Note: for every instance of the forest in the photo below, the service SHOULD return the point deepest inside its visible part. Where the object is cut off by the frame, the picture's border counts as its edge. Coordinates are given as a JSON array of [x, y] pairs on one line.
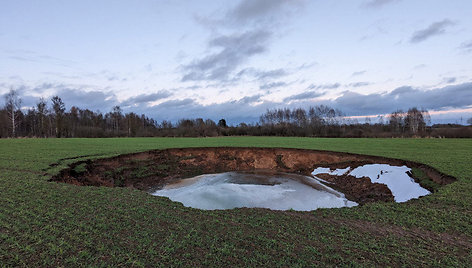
[[54, 120]]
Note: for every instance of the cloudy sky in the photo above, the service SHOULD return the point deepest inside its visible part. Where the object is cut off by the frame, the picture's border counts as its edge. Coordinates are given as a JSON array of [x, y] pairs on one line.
[[230, 59]]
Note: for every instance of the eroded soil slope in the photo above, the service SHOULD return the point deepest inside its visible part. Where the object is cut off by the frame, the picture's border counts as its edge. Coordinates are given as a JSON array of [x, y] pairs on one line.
[[151, 170]]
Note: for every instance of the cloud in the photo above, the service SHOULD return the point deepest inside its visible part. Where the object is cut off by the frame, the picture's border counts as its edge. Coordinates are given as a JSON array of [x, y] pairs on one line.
[[378, 3], [177, 104], [235, 49], [106, 75], [304, 96], [146, 98], [419, 66], [449, 80], [33, 57], [22, 58], [359, 73], [248, 99], [82, 96], [249, 108], [261, 10], [325, 86], [436, 28], [263, 74], [93, 100], [272, 85], [270, 74], [454, 96], [358, 84], [249, 28], [466, 47]]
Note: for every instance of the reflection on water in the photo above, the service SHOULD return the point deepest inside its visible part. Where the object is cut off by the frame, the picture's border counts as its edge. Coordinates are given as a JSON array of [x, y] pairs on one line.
[[278, 191]]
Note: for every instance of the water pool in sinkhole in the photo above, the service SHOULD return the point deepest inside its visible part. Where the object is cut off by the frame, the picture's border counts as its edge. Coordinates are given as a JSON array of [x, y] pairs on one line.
[[284, 191], [244, 189]]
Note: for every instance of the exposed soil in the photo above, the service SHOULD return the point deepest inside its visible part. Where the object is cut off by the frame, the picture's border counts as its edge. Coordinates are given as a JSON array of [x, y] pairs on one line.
[[151, 170], [361, 190]]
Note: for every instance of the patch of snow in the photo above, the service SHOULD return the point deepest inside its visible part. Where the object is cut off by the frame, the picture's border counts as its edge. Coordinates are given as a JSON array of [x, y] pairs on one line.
[[321, 170], [235, 190], [403, 187], [337, 172]]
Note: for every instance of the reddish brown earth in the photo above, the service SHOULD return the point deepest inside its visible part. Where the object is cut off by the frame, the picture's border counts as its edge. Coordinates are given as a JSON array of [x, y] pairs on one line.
[[153, 169]]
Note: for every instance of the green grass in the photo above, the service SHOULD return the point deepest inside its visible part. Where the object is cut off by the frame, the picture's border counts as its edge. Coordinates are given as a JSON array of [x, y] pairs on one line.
[[424, 180], [80, 168], [54, 224]]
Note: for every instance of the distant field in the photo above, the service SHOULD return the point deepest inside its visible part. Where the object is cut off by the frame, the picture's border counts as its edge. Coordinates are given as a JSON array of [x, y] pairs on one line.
[[54, 224]]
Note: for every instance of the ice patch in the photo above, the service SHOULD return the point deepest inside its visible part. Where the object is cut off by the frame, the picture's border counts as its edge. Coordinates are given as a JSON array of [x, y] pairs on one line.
[[235, 190], [337, 172], [402, 186]]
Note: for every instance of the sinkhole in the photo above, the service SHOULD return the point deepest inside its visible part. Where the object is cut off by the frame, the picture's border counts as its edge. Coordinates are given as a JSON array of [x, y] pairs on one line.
[[274, 178]]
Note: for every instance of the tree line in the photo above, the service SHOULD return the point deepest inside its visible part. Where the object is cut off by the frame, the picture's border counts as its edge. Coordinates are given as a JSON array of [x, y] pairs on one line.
[[53, 120]]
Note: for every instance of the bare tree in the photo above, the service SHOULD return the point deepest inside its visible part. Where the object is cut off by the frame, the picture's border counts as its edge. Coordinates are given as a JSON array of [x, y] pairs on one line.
[[59, 108], [73, 120], [299, 117], [222, 123], [426, 117], [381, 119], [469, 121], [13, 105], [168, 124], [396, 121], [116, 117], [415, 121], [41, 107]]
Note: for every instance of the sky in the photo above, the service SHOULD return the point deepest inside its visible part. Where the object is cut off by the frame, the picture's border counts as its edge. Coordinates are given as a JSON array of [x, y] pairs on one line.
[[172, 59]]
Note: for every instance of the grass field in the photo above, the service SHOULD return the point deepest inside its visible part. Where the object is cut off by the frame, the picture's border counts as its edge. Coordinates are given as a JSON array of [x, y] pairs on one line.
[[53, 224]]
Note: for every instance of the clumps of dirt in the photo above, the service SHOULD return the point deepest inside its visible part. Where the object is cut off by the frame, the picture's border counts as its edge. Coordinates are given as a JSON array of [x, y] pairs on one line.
[[150, 171], [361, 190]]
